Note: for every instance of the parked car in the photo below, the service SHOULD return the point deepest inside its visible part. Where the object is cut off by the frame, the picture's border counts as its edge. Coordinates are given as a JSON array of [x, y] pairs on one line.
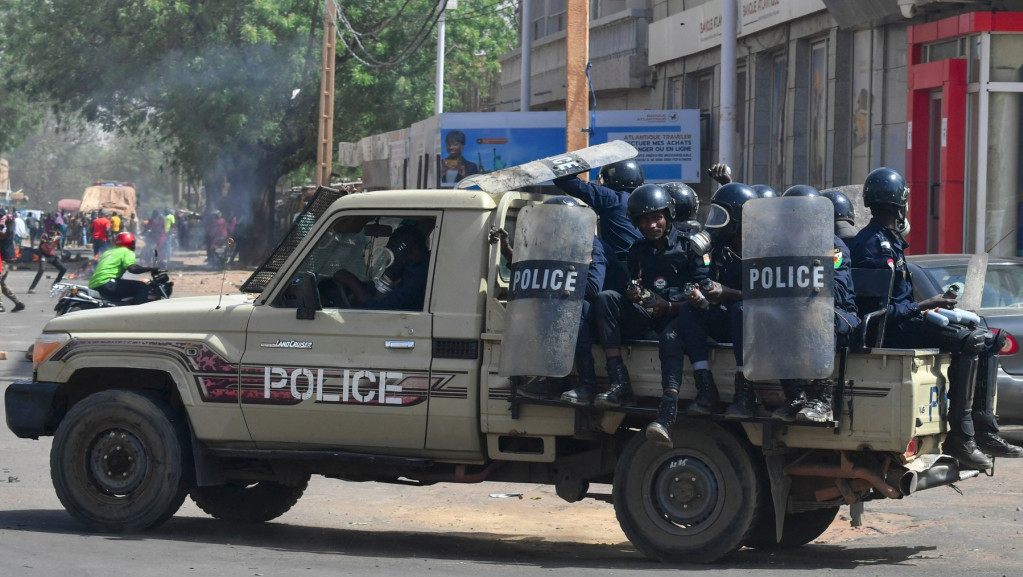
[[1001, 304]]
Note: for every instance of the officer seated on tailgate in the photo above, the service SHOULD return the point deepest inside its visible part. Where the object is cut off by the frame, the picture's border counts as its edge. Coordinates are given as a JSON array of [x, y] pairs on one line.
[[402, 286], [659, 264], [973, 430]]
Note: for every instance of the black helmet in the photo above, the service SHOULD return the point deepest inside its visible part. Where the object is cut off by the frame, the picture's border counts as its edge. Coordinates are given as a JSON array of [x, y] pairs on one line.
[[886, 187], [623, 176], [562, 199], [844, 211], [650, 198], [764, 191], [801, 190], [687, 204], [726, 206]]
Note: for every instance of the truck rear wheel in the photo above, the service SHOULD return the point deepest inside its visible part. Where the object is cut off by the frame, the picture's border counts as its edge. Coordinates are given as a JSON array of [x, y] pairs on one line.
[[248, 503], [120, 461], [800, 528], [696, 502]]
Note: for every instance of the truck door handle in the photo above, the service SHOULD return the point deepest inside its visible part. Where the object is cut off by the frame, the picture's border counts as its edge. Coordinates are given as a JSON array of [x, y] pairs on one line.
[[400, 344]]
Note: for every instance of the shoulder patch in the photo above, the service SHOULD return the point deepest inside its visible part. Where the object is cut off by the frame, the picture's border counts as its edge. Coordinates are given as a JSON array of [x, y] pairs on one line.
[[838, 258], [706, 260]]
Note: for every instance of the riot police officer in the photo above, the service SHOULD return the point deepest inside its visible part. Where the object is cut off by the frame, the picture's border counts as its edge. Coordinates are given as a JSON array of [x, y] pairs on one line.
[[688, 333], [812, 401], [973, 430], [609, 198], [550, 388], [845, 215], [660, 264], [687, 206]]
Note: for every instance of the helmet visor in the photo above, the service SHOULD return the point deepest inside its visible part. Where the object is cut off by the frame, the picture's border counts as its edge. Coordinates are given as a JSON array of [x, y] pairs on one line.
[[717, 217]]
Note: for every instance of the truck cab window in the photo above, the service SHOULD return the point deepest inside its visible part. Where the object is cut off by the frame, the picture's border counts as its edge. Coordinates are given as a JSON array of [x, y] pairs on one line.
[[371, 262]]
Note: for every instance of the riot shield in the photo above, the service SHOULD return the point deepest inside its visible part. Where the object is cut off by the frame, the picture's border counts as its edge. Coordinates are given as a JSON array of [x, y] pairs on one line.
[[553, 245], [788, 299], [546, 169]]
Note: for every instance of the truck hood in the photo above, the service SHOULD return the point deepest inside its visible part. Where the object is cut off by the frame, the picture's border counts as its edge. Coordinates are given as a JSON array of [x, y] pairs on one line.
[[171, 316]]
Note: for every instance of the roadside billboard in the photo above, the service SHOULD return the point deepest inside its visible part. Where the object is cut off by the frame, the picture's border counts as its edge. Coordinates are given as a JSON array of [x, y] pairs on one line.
[[462, 144]]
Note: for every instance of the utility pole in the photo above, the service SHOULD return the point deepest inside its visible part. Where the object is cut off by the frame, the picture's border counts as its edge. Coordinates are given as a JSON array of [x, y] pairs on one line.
[[577, 55], [525, 85], [726, 122], [325, 140], [444, 6]]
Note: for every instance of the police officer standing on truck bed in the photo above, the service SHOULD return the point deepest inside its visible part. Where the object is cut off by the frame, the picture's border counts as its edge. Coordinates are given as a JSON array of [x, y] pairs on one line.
[[609, 199], [973, 429], [551, 388], [660, 264]]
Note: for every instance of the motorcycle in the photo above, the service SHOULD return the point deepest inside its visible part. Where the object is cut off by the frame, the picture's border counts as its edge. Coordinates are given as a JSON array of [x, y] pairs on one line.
[[72, 297], [220, 251]]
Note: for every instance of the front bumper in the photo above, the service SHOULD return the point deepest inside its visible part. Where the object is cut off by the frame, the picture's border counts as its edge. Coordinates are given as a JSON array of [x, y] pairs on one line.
[[29, 406]]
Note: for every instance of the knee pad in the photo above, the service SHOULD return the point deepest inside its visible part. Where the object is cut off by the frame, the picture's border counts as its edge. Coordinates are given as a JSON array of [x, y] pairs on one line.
[[972, 340]]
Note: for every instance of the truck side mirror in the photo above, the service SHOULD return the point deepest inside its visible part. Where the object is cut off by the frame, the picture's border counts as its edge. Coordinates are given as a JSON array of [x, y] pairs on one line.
[[308, 296]]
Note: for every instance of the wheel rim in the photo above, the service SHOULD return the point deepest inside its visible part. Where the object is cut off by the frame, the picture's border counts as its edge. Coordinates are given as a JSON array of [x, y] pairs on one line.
[[684, 493], [117, 462]]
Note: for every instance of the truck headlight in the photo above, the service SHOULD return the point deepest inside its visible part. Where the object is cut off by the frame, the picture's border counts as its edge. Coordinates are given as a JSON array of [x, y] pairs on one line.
[[45, 345]]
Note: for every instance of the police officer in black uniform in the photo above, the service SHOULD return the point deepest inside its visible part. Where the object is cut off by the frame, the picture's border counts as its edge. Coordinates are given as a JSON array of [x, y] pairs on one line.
[[720, 319], [845, 215], [812, 401], [660, 264], [973, 429], [550, 388], [609, 198]]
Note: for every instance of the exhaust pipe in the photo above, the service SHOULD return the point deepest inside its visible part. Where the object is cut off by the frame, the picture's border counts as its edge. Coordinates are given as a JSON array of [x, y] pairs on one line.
[[938, 475]]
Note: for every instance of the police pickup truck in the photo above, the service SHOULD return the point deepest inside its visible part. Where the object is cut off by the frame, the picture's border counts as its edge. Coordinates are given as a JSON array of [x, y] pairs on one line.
[[236, 400]]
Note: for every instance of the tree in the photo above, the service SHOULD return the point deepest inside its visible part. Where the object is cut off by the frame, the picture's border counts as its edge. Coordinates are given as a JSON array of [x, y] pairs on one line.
[[230, 89]]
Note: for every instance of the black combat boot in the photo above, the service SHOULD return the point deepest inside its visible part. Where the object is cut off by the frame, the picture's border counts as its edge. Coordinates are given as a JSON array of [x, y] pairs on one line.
[[659, 431], [744, 402], [985, 423], [584, 393], [620, 391], [706, 394], [817, 408], [544, 389], [959, 443], [795, 398]]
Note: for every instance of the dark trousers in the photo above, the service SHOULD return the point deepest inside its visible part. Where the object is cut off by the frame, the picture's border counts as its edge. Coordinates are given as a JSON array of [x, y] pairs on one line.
[[119, 288], [617, 318], [55, 261]]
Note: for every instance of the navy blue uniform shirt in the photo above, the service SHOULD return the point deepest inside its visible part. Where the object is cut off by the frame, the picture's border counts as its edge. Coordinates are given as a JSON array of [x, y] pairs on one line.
[[665, 269], [878, 247], [616, 229], [597, 270]]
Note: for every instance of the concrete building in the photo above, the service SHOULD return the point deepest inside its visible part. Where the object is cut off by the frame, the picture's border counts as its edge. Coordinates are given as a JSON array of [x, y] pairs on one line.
[[826, 91]]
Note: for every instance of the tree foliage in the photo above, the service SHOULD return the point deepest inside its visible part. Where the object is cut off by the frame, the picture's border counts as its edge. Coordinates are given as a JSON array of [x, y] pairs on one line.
[[230, 90]]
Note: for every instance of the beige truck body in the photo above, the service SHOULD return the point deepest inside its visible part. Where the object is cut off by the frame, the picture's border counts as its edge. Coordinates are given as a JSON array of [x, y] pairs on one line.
[[417, 396]]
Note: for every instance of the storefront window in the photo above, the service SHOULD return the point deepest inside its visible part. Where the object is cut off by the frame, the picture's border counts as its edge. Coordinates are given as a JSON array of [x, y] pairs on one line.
[[1002, 233]]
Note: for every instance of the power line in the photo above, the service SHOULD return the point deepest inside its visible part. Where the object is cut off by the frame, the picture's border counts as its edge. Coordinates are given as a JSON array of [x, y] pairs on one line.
[[345, 28]]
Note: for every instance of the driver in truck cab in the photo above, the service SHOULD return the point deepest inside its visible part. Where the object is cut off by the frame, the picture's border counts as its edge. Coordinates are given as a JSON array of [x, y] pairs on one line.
[[402, 286]]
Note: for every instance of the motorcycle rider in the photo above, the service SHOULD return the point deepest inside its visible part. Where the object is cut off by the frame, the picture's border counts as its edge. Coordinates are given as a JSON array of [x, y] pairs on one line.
[[112, 265]]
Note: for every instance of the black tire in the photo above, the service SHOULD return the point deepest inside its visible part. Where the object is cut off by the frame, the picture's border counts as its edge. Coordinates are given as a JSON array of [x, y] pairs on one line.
[[694, 503], [248, 503], [120, 461], [800, 528]]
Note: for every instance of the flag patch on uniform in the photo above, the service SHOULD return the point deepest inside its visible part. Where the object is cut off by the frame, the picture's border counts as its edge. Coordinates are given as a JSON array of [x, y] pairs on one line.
[[706, 260], [838, 258]]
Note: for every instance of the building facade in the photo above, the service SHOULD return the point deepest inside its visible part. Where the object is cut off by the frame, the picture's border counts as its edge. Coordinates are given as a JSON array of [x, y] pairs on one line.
[[827, 90]]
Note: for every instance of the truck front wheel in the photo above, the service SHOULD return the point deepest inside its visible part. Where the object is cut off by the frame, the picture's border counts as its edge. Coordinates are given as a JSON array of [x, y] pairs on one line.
[[120, 461], [696, 502], [248, 503]]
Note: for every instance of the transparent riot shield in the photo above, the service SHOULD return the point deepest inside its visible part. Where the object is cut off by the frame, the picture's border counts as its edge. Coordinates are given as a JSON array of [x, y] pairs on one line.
[[788, 296], [553, 245]]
